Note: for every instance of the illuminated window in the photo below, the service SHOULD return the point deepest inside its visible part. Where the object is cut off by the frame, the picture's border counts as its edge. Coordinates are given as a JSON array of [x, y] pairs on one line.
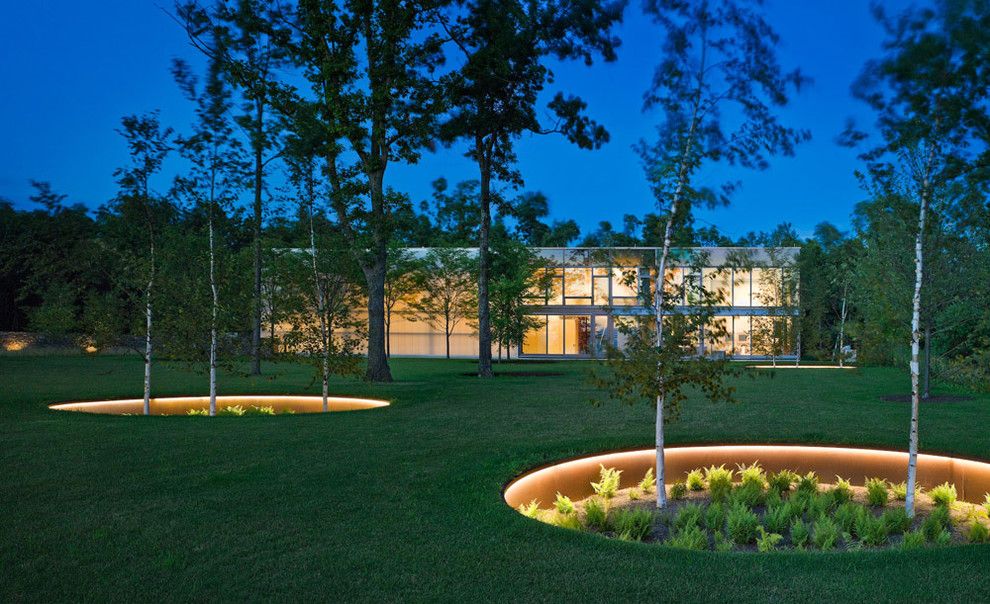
[[719, 283], [741, 281], [577, 335], [577, 286], [766, 286], [741, 342], [535, 340]]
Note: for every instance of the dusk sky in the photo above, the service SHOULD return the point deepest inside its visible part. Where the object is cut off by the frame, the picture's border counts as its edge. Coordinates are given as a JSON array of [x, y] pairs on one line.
[[70, 71]]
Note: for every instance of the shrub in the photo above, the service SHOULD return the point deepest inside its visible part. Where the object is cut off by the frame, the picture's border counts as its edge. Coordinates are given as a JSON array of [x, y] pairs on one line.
[[678, 490], [780, 482], [689, 515], [690, 538], [608, 482], [943, 538], [288, 411], [913, 539], [899, 491], [876, 492], [778, 518], [820, 504], [753, 474], [826, 533], [531, 509], [649, 482], [696, 480], [633, 494], [722, 544], [255, 410], [715, 516], [235, 410], [767, 542], [749, 494], [872, 530], [842, 491], [197, 412], [595, 513], [896, 520], [944, 494], [808, 483], [719, 482], [799, 534], [742, 524], [564, 504], [936, 522], [847, 515], [567, 521], [978, 532], [986, 503], [633, 524]]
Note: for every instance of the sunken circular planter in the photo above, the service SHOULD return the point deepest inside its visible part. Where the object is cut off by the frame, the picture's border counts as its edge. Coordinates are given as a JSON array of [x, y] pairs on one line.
[[573, 477], [183, 405]]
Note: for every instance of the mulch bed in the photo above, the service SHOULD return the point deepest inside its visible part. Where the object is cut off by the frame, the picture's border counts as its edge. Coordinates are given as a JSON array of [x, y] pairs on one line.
[[942, 398]]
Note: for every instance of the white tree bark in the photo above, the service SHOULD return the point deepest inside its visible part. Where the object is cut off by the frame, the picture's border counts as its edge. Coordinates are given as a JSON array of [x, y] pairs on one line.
[[916, 332], [213, 319], [842, 327], [147, 333], [320, 311]]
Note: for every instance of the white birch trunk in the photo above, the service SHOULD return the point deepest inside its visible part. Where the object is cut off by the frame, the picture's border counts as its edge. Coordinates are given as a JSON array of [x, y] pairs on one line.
[[842, 327], [213, 319], [916, 336], [320, 311], [147, 334]]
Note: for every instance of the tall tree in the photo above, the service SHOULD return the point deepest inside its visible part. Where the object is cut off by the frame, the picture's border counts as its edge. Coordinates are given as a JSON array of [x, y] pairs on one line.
[[928, 90], [370, 67], [148, 145], [447, 296], [716, 54], [215, 176], [494, 96]]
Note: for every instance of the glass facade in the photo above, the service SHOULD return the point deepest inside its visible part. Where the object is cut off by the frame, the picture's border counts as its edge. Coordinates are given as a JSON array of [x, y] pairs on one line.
[[594, 291]]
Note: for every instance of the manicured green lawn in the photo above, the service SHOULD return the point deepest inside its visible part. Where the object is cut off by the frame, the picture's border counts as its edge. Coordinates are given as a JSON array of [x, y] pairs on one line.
[[404, 503]]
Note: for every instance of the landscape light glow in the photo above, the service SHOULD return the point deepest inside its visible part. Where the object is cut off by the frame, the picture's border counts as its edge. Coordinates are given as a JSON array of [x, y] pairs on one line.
[[181, 405], [573, 477]]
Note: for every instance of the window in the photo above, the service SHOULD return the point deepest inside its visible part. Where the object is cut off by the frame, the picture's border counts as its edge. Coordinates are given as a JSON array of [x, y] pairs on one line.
[[718, 282], [624, 287], [741, 343], [535, 340], [741, 281], [766, 286], [577, 286], [577, 335]]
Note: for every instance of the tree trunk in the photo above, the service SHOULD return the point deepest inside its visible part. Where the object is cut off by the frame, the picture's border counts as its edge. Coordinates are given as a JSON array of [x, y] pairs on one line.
[[318, 294], [484, 322], [374, 273], [842, 327], [388, 333], [258, 184], [147, 334], [916, 340], [213, 321]]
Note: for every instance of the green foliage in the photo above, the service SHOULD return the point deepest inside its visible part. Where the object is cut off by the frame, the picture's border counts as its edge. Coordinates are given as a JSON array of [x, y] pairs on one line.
[[596, 513], [978, 532], [692, 538], [742, 524], [205, 412], [808, 484], [826, 533], [778, 518], [944, 494], [564, 504], [531, 509], [235, 410], [750, 494], [722, 544], [914, 539], [678, 490], [688, 515], [986, 503], [943, 538], [715, 516], [820, 504], [936, 522], [872, 530], [876, 492], [696, 480], [719, 481], [608, 482], [800, 534], [262, 410], [649, 481], [896, 520], [632, 524], [753, 475], [847, 515], [780, 482], [842, 491], [567, 521], [767, 542], [634, 494], [899, 491]]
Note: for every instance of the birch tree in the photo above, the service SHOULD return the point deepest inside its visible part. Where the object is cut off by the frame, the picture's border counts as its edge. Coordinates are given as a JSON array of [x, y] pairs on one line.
[[717, 56], [929, 96], [213, 180], [148, 145], [446, 291]]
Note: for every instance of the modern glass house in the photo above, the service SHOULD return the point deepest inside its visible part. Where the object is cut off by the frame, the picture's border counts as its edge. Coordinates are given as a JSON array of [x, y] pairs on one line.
[[594, 290]]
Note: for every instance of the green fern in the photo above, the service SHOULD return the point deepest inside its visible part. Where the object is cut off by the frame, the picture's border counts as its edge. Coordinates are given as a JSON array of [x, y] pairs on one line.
[[842, 491], [877, 493], [678, 490], [649, 482], [608, 482], [695, 480], [719, 482], [978, 532], [595, 514], [767, 542], [531, 509], [633, 524], [944, 494], [692, 538], [564, 504]]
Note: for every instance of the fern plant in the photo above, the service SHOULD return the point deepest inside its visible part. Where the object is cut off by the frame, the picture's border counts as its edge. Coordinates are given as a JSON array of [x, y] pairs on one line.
[[198, 412], [564, 504], [688, 515], [896, 520], [944, 494], [632, 524], [877, 493], [899, 491], [847, 515], [531, 509], [695, 480], [722, 544], [767, 542], [826, 533], [936, 522], [595, 514], [753, 474], [678, 490], [719, 481], [780, 482], [742, 524], [978, 532], [692, 538], [842, 491], [608, 482], [808, 484], [715, 516], [778, 518], [649, 482], [235, 410], [913, 539], [872, 530], [799, 534]]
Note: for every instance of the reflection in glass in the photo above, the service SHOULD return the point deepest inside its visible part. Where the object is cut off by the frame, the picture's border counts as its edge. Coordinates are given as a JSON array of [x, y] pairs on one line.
[[719, 282], [741, 281], [766, 286], [577, 335], [577, 284], [556, 287], [741, 343], [535, 340]]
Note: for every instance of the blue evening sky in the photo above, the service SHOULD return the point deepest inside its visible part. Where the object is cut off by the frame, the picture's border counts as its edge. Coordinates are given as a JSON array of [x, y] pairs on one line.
[[71, 69]]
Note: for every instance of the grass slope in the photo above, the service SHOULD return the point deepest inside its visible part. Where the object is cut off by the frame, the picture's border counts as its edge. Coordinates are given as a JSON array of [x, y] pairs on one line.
[[404, 503]]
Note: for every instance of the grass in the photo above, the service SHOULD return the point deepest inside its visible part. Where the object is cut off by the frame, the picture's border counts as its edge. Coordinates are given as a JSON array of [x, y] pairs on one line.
[[404, 503]]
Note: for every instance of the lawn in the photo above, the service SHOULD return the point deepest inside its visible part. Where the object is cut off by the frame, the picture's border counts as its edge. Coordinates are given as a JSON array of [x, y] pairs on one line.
[[403, 503]]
